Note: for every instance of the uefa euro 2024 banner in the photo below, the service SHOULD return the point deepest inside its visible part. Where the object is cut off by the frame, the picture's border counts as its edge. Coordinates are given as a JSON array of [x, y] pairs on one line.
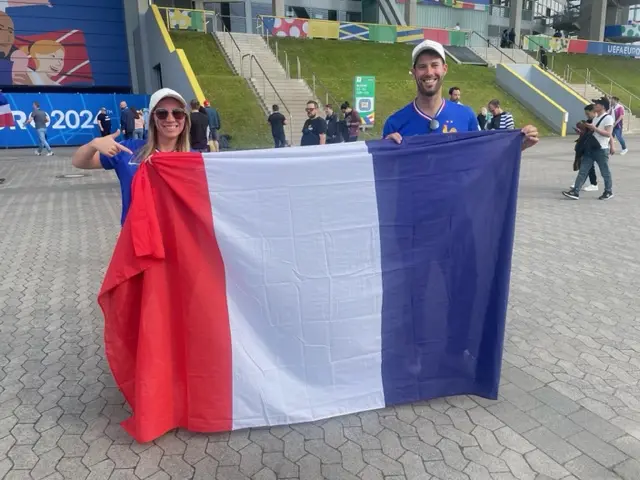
[[72, 117]]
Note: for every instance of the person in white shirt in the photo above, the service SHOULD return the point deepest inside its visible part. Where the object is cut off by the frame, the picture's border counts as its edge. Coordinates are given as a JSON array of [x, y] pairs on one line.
[[597, 150]]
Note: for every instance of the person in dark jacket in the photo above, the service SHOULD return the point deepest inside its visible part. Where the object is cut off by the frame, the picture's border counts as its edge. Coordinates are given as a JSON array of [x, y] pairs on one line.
[[333, 130], [214, 120], [127, 121]]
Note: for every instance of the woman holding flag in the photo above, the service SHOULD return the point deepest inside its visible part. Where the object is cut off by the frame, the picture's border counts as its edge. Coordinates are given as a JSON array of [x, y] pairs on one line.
[[169, 126]]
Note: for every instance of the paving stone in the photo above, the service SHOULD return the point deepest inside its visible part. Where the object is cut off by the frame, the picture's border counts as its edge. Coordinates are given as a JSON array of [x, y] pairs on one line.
[[370, 473], [518, 465], [223, 454], [488, 441], [554, 446], [600, 451], [556, 400], [72, 468], [251, 459], [324, 452], [122, 456], [294, 446], [309, 467], [585, 468], [390, 442], [149, 462], [452, 454], [443, 471], [628, 445], [352, 460], [629, 469], [481, 416], [542, 463], [510, 415], [47, 463], [282, 467], [383, 463], [556, 422], [176, 467], [596, 425], [513, 441], [205, 469]]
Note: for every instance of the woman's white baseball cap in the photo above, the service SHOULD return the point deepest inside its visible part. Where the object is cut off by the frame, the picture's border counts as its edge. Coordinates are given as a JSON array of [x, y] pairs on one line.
[[165, 93], [428, 45]]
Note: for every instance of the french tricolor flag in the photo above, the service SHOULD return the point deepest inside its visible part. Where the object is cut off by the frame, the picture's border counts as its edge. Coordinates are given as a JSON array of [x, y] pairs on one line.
[[6, 117], [268, 287]]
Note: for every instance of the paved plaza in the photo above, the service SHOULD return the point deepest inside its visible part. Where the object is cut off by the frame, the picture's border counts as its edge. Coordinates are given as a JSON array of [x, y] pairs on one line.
[[569, 405]]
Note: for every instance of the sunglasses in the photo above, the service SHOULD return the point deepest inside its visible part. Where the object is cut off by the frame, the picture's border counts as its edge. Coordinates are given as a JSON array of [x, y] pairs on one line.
[[310, 109], [163, 113]]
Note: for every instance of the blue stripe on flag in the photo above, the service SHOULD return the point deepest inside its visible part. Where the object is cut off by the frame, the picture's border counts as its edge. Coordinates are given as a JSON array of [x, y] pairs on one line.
[[447, 216]]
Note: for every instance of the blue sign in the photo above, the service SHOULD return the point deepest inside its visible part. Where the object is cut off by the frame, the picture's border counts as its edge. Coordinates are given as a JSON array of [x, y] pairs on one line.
[[72, 116]]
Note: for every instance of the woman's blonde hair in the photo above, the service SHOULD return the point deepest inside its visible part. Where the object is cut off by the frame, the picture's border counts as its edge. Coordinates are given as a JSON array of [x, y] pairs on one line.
[[44, 47], [183, 143]]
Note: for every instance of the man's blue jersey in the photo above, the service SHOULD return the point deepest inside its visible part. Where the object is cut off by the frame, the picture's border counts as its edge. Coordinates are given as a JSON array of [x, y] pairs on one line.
[[452, 117]]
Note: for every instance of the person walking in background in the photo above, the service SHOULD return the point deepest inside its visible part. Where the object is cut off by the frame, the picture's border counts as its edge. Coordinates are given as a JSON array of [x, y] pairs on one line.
[[138, 123], [618, 118], [40, 120], [581, 144], [500, 119], [277, 122], [214, 121], [353, 121], [596, 150], [454, 95], [333, 129], [542, 55], [314, 131], [104, 122], [127, 121], [483, 118], [199, 127]]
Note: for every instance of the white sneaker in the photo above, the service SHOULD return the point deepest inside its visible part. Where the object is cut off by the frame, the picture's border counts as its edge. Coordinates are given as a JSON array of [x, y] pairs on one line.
[[38, 153], [590, 188], [624, 152], [49, 154]]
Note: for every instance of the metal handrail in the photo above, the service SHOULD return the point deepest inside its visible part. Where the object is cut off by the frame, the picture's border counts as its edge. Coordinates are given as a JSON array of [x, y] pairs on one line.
[[265, 79], [489, 44], [611, 84], [233, 40]]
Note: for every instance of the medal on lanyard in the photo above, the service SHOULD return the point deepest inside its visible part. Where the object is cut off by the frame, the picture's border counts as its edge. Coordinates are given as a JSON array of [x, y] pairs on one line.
[[434, 124]]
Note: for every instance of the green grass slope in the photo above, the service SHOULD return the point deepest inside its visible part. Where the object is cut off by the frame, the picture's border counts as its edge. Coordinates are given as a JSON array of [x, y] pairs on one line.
[[335, 63], [624, 71], [240, 114]]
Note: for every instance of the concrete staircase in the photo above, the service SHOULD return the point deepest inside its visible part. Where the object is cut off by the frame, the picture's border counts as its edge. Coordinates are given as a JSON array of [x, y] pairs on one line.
[[494, 56], [589, 92], [268, 79]]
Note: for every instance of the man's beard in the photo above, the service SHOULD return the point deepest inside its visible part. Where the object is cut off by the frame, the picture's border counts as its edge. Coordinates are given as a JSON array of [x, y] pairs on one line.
[[429, 93]]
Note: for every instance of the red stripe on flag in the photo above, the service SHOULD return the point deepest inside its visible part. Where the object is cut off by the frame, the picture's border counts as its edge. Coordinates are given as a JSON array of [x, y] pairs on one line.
[[6, 120], [169, 351]]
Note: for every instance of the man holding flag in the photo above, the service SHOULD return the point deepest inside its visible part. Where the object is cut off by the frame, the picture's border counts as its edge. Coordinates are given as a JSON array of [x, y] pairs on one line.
[[429, 112]]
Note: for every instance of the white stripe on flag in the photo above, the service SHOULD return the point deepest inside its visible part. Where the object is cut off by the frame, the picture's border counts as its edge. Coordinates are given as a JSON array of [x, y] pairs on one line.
[[292, 224], [5, 109]]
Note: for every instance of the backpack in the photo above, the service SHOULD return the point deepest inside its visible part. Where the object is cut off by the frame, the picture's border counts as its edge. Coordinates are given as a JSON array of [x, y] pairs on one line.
[[588, 142]]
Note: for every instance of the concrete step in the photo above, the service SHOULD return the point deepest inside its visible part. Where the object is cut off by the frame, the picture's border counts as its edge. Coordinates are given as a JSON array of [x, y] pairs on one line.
[[293, 93]]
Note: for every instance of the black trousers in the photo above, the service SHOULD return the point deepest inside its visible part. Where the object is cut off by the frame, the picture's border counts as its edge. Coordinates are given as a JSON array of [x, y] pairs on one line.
[[280, 140]]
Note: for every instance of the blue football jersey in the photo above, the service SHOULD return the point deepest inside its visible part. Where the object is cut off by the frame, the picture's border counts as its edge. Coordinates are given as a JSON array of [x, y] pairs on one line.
[[452, 117]]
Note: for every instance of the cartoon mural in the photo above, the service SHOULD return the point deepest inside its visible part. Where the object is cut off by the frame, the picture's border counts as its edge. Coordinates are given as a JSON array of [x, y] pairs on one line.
[[55, 43]]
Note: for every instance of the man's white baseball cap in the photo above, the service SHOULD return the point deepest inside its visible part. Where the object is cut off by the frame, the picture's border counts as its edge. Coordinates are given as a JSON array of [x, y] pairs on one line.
[[428, 45], [165, 93]]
